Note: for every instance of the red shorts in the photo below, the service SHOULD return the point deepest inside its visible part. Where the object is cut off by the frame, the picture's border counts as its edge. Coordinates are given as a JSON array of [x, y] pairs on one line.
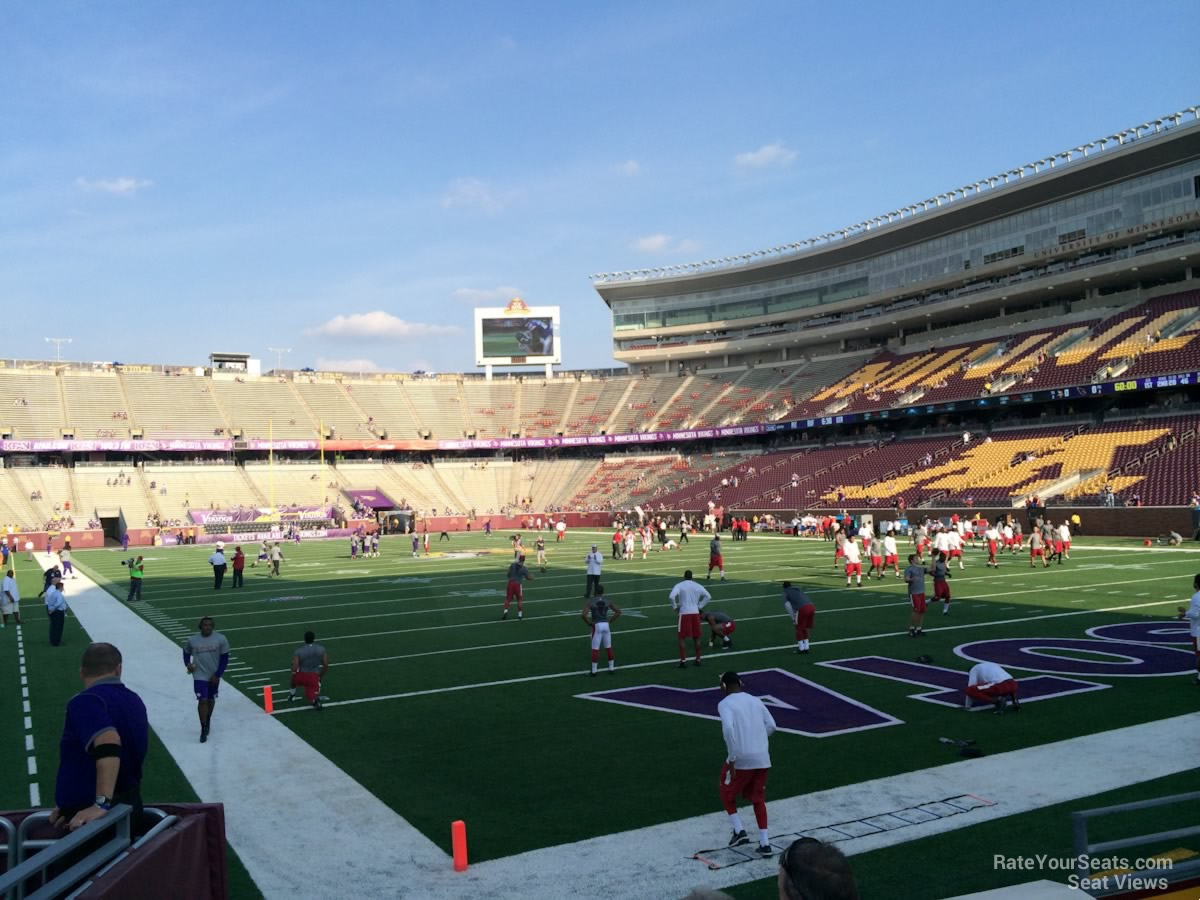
[[853, 569], [991, 548], [954, 553], [725, 628], [941, 590], [748, 783], [716, 562], [877, 562], [513, 592], [689, 625], [310, 681], [1067, 546], [891, 560], [918, 602], [804, 620], [840, 553], [993, 692], [1058, 546], [1035, 551]]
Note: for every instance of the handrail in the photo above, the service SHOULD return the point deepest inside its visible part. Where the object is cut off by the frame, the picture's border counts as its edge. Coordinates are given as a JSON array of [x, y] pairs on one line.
[[118, 818], [1084, 850]]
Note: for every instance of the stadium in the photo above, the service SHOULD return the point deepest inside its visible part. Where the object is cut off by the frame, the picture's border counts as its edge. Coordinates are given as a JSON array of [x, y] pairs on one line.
[[1020, 350]]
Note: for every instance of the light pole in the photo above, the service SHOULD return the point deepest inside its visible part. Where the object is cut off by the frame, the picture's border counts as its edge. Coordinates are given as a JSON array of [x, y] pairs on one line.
[[279, 351], [57, 342]]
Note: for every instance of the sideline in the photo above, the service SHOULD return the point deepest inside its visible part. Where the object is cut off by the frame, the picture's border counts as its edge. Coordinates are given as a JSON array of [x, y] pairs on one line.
[[280, 794]]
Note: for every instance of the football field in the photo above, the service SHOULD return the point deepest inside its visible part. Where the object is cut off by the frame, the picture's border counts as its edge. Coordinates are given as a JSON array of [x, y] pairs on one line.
[[444, 711]]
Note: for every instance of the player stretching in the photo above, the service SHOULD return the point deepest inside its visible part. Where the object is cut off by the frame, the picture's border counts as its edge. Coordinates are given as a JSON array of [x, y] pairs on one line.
[[746, 724], [516, 574], [891, 555], [988, 683], [941, 588], [721, 626], [595, 613], [206, 655], [802, 613], [715, 559], [1191, 615], [914, 576], [688, 598], [310, 665], [853, 560]]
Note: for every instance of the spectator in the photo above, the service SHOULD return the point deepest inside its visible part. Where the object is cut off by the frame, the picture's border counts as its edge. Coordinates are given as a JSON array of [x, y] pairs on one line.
[[137, 569], [810, 869], [103, 746]]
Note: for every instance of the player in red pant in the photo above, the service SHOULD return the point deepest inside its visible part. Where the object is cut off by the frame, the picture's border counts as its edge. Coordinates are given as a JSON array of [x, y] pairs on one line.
[[516, 574], [310, 664], [746, 724], [721, 626], [988, 683], [802, 613]]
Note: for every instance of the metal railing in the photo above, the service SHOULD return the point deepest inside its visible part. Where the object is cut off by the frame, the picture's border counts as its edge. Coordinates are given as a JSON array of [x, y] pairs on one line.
[[20, 869], [1085, 850]]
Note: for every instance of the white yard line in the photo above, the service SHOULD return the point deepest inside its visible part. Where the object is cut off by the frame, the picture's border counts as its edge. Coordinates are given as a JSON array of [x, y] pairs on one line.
[[362, 842]]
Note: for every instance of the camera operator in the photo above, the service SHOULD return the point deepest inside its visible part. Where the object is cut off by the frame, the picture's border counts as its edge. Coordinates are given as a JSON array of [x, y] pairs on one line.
[[136, 571]]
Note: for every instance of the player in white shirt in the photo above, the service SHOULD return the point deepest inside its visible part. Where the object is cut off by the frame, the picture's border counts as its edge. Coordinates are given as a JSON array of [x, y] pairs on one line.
[[688, 598], [955, 540], [647, 540], [853, 557], [1191, 615], [941, 542], [629, 543], [10, 598], [1009, 539], [746, 724], [992, 536], [1064, 535], [988, 683], [866, 533], [891, 555]]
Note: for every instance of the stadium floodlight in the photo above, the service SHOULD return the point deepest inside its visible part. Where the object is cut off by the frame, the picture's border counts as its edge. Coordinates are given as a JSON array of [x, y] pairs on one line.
[[279, 351], [57, 342]]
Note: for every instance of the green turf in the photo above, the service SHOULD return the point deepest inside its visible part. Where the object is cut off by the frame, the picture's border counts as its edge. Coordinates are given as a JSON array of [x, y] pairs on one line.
[[53, 675], [513, 753], [963, 860]]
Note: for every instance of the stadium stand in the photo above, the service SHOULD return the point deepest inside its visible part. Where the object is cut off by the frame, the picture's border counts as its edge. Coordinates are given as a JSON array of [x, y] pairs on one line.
[[543, 405], [438, 407], [108, 492], [388, 410], [16, 510], [95, 405], [293, 484], [178, 489], [262, 407], [55, 492], [31, 404], [333, 408], [595, 404], [491, 407], [173, 406], [640, 406]]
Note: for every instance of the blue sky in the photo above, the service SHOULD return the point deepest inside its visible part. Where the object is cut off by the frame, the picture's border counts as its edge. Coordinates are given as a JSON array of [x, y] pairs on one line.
[[182, 178]]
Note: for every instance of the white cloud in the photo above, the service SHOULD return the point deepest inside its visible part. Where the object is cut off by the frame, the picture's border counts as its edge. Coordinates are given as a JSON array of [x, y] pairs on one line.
[[652, 243], [767, 155], [660, 243], [475, 193], [379, 325], [346, 365], [486, 296], [630, 167], [124, 185]]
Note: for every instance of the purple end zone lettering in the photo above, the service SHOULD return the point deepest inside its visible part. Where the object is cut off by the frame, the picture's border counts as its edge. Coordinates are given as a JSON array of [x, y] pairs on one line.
[[1125, 660], [1173, 632], [798, 705], [951, 682]]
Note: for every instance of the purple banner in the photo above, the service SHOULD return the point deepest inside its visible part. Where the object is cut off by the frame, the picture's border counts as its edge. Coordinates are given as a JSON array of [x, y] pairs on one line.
[[372, 499], [258, 514], [251, 537], [112, 445]]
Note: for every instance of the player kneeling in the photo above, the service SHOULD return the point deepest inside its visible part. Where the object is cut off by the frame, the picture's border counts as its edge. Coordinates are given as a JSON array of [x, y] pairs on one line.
[[722, 627], [310, 665], [596, 614], [671, 544]]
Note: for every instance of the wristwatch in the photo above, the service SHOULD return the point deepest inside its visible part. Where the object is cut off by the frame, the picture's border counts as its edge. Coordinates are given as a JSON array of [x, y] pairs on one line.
[[103, 802]]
